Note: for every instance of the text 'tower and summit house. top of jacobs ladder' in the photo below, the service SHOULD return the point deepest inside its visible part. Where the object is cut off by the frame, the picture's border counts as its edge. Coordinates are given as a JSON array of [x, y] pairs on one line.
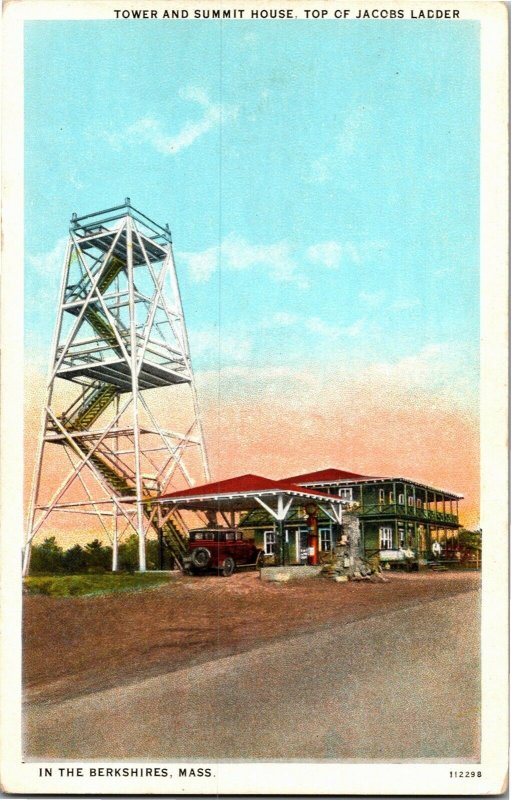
[[120, 331]]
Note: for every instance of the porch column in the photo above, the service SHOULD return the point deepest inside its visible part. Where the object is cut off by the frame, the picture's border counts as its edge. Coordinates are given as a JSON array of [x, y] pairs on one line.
[[281, 542], [425, 554]]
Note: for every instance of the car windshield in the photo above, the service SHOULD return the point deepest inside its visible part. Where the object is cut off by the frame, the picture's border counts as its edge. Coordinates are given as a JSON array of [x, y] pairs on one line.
[[216, 535]]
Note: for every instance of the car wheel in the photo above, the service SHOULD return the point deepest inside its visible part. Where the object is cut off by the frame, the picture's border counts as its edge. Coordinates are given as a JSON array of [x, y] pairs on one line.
[[259, 560], [228, 567], [201, 557]]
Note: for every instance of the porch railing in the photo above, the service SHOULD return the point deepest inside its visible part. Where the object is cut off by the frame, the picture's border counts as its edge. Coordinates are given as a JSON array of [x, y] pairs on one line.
[[377, 509]]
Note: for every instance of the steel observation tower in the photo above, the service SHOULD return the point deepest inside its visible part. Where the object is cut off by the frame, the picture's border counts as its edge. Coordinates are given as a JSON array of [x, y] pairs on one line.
[[121, 422]]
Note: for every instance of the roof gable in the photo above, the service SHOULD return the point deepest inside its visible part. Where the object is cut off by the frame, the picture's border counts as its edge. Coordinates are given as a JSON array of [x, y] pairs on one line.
[[330, 474]]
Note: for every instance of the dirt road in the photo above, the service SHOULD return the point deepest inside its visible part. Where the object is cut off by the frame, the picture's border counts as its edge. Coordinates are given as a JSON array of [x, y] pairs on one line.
[[397, 685], [78, 645]]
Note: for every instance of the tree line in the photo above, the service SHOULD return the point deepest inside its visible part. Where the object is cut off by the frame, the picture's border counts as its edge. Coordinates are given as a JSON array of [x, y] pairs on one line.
[[94, 557]]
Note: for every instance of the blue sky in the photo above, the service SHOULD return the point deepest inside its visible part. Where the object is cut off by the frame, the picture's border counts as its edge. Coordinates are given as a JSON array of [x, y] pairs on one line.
[[321, 180]]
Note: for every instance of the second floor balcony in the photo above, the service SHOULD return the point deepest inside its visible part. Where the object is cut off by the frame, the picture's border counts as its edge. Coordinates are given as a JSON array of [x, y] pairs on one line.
[[411, 511]]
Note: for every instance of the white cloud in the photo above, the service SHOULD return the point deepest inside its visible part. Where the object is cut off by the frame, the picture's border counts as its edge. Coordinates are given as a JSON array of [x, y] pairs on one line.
[[204, 340], [433, 364], [201, 265], [352, 130], [280, 260], [429, 373], [75, 181], [356, 328], [196, 95], [315, 325], [372, 299], [319, 326], [406, 303], [351, 134], [320, 169], [224, 346], [331, 255], [50, 264], [328, 254], [150, 130], [280, 319], [238, 255]]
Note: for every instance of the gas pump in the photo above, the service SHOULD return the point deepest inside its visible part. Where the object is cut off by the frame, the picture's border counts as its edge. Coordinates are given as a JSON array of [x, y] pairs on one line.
[[312, 534]]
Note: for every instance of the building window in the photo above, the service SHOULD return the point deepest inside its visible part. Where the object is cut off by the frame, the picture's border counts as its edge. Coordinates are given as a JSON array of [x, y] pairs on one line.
[[401, 499], [269, 543], [391, 497], [381, 495], [401, 537], [385, 538], [325, 539], [410, 501], [418, 503], [346, 494]]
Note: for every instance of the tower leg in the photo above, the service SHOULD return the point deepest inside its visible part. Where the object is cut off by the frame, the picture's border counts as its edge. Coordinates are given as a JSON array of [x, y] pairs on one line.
[[26, 558], [141, 541], [115, 545], [134, 393]]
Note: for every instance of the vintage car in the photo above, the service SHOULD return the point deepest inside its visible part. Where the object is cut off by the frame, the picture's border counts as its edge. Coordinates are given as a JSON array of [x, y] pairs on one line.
[[221, 550]]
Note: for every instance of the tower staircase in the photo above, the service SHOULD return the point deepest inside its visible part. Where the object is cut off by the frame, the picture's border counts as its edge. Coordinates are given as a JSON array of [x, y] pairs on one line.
[[94, 317], [81, 289], [94, 401]]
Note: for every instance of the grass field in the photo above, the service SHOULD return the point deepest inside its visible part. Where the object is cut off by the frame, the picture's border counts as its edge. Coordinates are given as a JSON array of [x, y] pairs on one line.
[[82, 585]]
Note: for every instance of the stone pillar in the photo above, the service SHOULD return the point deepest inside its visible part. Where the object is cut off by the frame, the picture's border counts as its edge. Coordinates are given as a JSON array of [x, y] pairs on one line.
[[351, 529]]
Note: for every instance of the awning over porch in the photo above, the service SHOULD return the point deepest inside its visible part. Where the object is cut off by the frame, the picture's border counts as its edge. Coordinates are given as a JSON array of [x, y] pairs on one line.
[[248, 492]]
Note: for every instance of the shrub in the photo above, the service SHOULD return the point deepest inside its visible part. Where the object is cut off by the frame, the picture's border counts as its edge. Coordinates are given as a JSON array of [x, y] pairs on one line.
[[75, 560], [98, 557], [76, 585], [47, 557]]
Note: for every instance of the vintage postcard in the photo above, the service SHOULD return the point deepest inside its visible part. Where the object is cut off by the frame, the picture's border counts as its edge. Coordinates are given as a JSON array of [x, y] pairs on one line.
[[254, 398]]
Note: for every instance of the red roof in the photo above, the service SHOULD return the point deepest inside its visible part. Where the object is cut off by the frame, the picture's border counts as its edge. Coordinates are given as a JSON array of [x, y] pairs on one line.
[[339, 475], [328, 475], [241, 485]]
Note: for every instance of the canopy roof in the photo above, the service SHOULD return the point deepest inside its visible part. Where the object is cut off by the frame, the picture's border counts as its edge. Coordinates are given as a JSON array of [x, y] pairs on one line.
[[241, 493]]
